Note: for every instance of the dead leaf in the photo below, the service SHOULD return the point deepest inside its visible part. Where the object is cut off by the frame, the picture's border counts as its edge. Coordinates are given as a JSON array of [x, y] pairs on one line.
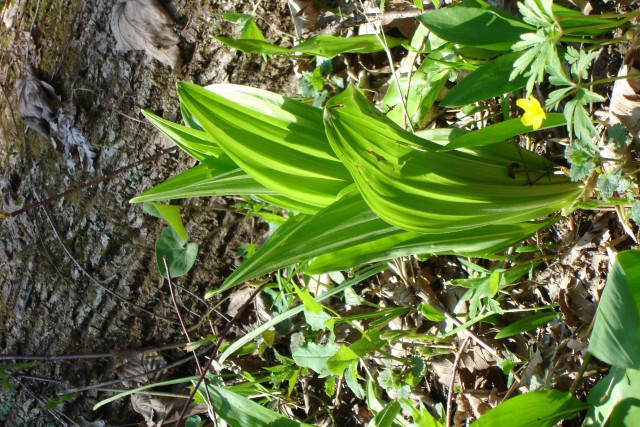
[[625, 98], [37, 104], [145, 25]]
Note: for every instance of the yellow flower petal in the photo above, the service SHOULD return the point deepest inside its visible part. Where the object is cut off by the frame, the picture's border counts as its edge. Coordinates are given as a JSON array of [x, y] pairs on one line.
[[533, 115]]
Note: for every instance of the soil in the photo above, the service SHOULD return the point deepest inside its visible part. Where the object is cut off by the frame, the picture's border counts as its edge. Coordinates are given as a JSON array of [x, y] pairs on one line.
[[79, 276]]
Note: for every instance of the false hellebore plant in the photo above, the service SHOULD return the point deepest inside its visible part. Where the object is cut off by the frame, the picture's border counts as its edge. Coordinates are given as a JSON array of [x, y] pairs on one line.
[[358, 187]]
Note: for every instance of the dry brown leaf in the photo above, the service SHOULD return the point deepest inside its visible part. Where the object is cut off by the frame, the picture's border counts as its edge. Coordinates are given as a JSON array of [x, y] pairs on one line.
[[625, 97], [37, 104], [145, 25]]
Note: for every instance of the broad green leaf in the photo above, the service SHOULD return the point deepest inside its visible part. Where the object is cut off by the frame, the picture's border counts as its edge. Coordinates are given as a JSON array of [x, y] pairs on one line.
[[314, 356], [431, 313], [526, 324], [277, 141], [171, 214], [348, 233], [194, 142], [202, 181], [239, 411], [346, 355], [180, 255], [501, 132], [320, 45], [474, 27], [248, 27], [616, 331], [533, 409], [387, 417], [479, 242], [615, 400], [488, 81], [406, 182]]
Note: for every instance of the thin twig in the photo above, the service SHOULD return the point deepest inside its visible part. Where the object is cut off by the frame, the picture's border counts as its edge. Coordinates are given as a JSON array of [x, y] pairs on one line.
[[61, 357], [456, 362], [55, 414], [95, 182], [214, 353], [133, 377], [93, 279], [201, 372]]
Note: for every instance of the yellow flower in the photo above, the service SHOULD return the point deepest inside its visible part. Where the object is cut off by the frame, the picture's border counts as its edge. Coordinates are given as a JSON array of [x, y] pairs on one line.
[[533, 112]]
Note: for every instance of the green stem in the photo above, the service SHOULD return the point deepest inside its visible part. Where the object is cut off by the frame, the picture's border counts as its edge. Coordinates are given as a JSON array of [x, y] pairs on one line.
[[613, 79], [583, 369]]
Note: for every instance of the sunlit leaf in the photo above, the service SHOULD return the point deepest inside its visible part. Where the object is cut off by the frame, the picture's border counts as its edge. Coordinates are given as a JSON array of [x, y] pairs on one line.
[[533, 409], [616, 331], [474, 27], [526, 324]]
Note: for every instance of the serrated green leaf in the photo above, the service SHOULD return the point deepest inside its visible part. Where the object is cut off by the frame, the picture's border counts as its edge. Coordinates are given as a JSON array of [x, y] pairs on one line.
[[315, 357]]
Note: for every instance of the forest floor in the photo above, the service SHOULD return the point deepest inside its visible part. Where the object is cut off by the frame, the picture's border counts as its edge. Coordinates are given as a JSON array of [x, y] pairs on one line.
[[79, 276]]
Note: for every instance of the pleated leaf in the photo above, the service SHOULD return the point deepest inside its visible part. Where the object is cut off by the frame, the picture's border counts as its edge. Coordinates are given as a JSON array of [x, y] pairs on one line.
[[348, 233], [429, 191], [277, 141]]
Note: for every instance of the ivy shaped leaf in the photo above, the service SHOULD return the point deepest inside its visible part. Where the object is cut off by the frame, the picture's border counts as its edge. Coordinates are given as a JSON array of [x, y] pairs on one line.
[[180, 255]]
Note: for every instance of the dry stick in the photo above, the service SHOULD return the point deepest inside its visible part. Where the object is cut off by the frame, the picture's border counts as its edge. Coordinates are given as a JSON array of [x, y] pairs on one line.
[[365, 17], [96, 281], [59, 358], [58, 416], [212, 415], [133, 377], [108, 176], [221, 337], [456, 362]]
